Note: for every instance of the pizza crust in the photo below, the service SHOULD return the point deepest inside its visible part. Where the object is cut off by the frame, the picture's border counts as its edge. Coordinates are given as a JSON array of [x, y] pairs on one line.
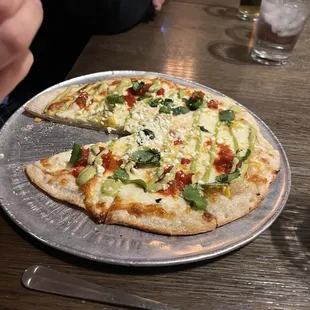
[[161, 220], [53, 186], [172, 215]]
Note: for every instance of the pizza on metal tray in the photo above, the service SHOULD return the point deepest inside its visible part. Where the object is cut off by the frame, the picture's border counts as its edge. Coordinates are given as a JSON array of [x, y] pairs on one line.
[[186, 161]]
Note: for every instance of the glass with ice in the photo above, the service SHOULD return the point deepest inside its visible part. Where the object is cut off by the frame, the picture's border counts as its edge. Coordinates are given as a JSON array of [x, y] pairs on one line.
[[278, 28]]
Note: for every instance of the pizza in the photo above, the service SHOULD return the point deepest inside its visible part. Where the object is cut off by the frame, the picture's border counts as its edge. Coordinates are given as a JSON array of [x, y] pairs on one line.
[[186, 161]]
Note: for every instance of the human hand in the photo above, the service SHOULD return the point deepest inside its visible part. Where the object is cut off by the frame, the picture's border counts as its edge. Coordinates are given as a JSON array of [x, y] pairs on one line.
[[19, 22], [158, 4]]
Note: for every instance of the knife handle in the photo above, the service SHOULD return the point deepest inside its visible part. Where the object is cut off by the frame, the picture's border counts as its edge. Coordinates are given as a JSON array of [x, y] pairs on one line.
[[45, 279]]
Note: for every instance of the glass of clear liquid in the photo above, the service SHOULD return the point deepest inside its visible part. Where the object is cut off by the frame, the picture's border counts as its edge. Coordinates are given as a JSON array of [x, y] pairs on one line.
[[249, 9], [278, 28]]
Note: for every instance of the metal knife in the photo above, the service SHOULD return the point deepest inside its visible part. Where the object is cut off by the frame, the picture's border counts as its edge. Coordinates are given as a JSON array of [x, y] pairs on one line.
[[45, 279]]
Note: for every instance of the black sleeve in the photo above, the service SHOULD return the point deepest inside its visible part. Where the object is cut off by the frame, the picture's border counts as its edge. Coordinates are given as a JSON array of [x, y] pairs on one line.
[[108, 16]]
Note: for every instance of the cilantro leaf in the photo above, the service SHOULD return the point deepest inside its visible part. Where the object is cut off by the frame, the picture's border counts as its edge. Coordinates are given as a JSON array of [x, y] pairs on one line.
[[194, 197], [180, 110], [227, 116], [146, 156], [149, 133], [120, 174], [153, 103], [76, 153], [194, 102], [136, 85], [167, 102], [226, 178], [113, 100], [165, 109]]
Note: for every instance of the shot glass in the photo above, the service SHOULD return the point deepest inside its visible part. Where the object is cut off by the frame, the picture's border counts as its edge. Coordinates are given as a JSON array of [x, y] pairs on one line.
[[278, 28]]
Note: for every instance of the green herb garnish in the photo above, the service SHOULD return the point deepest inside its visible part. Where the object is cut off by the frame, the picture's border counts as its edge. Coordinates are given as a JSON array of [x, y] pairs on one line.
[[167, 102], [153, 103], [226, 178], [76, 153], [227, 116], [122, 175], [180, 110], [174, 111], [194, 102], [113, 100], [203, 129], [149, 133], [165, 109], [194, 197], [136, 86], [146, 156]]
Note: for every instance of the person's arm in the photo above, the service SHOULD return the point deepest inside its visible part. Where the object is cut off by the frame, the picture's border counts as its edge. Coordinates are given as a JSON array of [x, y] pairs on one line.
[[19, 22]]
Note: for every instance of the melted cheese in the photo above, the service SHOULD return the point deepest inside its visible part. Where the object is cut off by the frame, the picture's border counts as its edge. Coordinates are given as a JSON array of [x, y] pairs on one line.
[[177, 137]]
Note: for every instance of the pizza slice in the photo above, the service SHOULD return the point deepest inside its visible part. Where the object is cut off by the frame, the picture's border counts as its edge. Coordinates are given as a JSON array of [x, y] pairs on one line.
[[120, 104], [117, 189]]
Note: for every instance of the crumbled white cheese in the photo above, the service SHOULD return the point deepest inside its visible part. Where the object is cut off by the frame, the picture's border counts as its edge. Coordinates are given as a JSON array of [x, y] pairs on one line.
[[135, 116], [118, 154], [100, 170], [125, 158], [220, 141], [168, 160]]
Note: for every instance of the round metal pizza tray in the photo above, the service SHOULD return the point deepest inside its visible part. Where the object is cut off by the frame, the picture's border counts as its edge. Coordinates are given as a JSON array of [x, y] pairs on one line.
[[66, 228]]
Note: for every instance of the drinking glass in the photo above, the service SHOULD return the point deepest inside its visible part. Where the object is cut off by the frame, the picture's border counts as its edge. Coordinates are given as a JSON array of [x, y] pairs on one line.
[[278, 28], [249, 9]]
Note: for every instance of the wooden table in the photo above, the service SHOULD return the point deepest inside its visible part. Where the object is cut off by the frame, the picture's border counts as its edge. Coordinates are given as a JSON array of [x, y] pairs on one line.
[[207, 45]]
